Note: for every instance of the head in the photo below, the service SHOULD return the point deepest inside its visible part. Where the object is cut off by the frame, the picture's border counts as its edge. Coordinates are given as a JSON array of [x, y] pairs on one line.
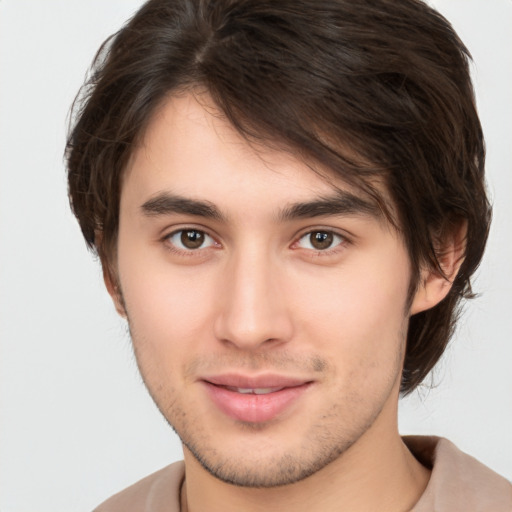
[[373, 97]]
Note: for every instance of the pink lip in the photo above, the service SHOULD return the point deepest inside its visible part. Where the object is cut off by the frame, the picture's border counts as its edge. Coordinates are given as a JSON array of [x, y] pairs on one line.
[[254, 408]]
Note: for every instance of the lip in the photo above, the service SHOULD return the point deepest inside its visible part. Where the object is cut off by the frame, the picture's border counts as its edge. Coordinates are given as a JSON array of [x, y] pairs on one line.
[[254, 399], [254, 381]]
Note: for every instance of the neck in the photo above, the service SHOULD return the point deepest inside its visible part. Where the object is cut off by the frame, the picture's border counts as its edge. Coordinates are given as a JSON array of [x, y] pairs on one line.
[[376, 473]]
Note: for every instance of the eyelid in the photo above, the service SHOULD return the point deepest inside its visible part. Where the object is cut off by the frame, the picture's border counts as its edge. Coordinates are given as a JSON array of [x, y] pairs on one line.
[[344, 240], [166, 239]]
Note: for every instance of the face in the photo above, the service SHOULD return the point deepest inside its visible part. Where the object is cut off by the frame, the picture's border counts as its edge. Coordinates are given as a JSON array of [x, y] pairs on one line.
[[266, 303]]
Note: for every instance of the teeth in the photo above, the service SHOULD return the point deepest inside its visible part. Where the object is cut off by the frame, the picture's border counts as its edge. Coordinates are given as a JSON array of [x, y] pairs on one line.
[[264, 391], [245, 391], [253, 391]]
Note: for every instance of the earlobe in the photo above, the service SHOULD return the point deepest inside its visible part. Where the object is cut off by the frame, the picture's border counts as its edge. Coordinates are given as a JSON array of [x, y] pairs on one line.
[[432, 289], [434, 285]]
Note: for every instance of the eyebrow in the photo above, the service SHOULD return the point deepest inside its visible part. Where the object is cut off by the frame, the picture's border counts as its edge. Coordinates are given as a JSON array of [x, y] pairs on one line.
[[341, 203], [166, 204]]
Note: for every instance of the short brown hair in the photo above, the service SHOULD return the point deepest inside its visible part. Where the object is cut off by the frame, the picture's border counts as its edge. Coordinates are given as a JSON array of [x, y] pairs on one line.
[[372, 89]]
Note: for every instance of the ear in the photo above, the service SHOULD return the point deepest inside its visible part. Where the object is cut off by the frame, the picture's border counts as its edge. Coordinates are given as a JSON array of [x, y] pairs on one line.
[[111, 283], [110, 277], [434, 286]]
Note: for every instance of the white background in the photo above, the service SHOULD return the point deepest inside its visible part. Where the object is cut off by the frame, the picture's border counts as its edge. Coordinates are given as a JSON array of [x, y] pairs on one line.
[[76, 422]]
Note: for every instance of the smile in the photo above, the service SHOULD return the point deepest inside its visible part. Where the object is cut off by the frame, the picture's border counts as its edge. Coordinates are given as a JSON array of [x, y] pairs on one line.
[[255, 400], [254, 391]]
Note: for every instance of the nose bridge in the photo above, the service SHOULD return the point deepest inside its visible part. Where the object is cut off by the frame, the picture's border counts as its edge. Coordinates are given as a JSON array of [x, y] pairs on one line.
[[253, 308]]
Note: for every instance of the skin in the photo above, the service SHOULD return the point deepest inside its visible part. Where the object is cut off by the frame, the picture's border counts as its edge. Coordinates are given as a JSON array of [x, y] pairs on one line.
[[257, 297]]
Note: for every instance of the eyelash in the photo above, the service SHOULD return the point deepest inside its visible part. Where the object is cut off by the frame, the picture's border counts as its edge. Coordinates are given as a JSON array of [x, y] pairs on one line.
[[342, 241], [172, 246]]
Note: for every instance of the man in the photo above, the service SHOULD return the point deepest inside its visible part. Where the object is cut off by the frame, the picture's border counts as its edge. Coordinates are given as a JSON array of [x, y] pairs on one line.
[[288, 202]]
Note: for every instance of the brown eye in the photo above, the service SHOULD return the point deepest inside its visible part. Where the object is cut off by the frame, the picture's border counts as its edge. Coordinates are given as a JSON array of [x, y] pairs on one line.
[[320, 240], [190, 239]]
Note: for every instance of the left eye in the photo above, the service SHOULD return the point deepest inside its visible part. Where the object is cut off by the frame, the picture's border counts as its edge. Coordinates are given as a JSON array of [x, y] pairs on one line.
[[190, 239], [320, 240]]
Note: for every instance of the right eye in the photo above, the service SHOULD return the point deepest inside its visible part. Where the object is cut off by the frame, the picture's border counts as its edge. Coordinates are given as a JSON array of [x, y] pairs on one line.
[[190, 239]]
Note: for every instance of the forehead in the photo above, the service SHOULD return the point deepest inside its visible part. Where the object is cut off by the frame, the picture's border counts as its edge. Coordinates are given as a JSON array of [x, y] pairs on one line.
[[191, 150]]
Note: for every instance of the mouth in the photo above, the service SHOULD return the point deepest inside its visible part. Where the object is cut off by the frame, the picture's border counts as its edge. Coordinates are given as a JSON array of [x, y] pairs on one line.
[[255, 399], [253, 391]]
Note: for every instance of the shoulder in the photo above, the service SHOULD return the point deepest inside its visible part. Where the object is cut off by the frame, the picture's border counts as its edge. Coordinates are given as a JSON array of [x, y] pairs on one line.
[[458, 481], [157, 492]]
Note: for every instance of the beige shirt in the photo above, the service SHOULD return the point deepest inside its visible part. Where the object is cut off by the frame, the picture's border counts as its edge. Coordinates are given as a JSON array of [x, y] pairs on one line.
[[458, 483]]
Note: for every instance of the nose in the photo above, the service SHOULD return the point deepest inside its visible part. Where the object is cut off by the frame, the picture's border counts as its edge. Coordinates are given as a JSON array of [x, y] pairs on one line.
[[252, 311]]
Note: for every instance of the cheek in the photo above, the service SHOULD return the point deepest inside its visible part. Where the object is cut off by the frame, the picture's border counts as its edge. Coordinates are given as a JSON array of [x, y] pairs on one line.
[[358, 314], [169, 311]]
